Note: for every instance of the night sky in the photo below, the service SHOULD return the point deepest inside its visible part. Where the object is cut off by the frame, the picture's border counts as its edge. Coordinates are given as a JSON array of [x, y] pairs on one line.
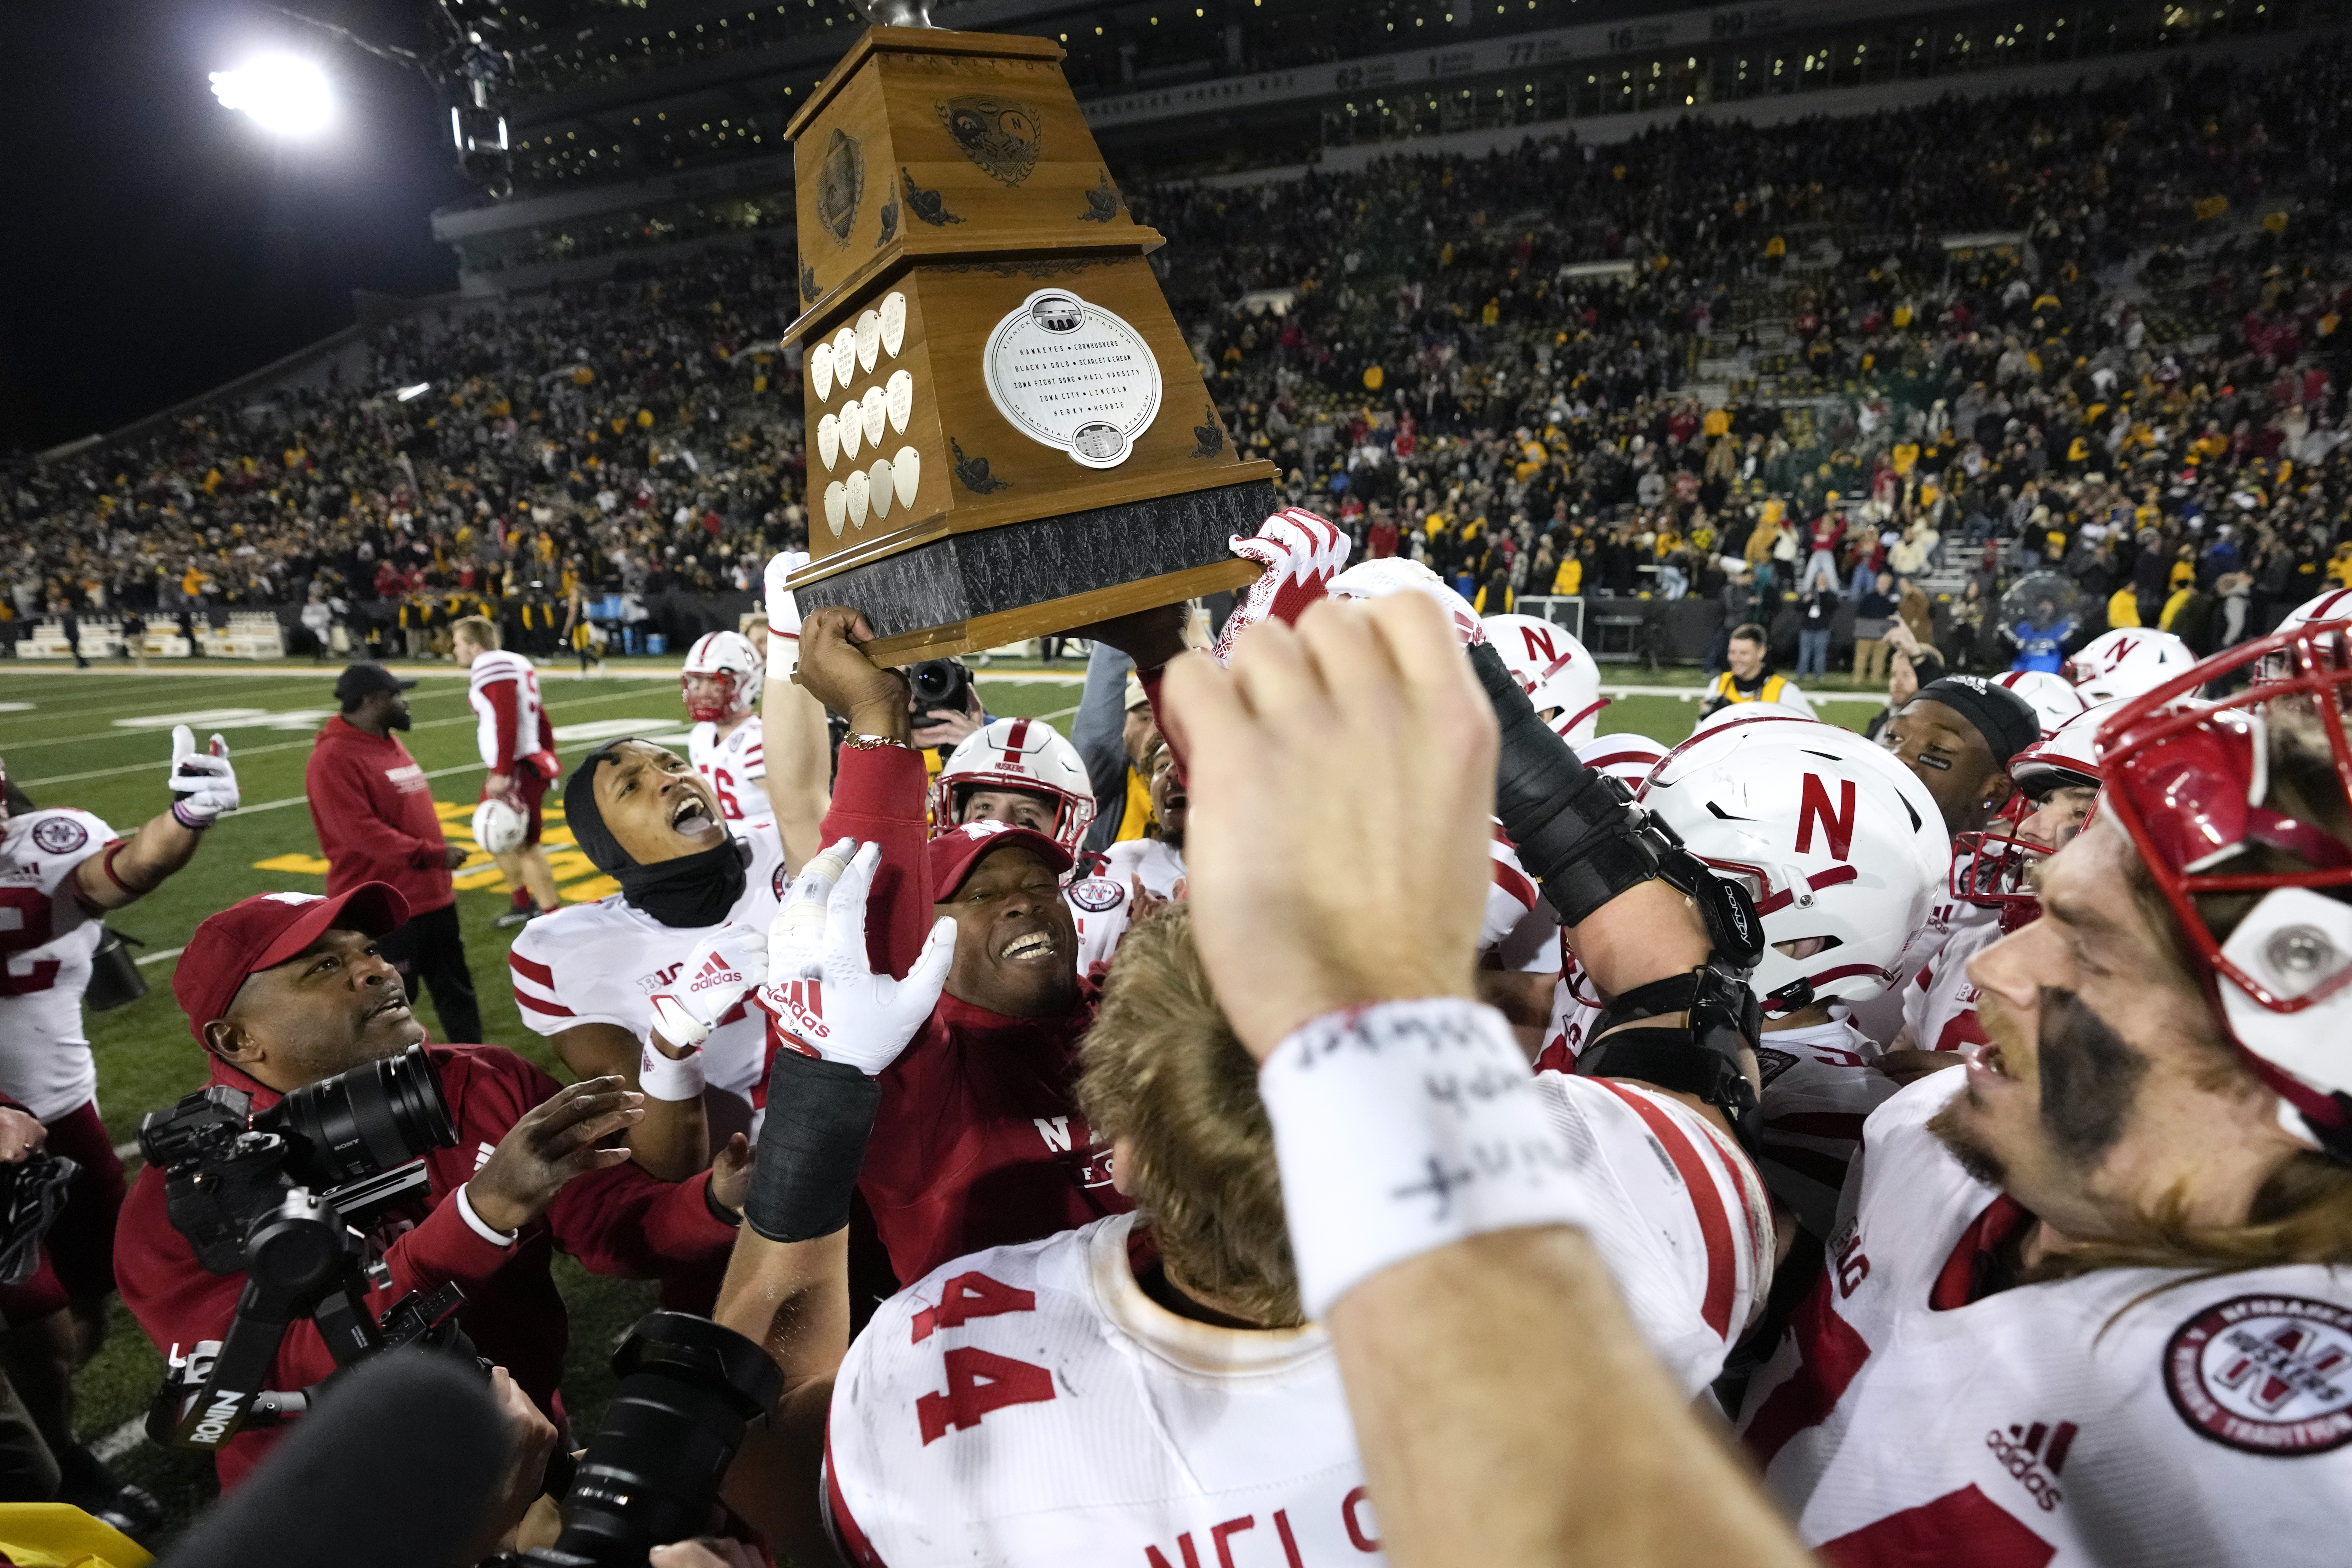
[[160, 244]]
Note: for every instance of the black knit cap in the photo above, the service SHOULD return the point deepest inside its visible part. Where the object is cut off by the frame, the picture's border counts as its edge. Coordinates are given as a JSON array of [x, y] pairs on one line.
[[2006, 720]]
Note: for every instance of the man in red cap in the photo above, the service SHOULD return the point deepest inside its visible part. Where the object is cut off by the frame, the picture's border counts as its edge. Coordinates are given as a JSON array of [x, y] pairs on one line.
[[978, 1141], [287, 989]]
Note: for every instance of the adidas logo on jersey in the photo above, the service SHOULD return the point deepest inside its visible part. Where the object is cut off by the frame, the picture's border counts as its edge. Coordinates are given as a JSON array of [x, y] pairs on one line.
[[2034, 1455]]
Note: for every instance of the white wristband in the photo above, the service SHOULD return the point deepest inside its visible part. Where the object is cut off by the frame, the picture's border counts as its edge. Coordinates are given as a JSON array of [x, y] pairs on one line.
[[783, 654], [481, 1227], [677, 1026], [667, 1078], [1405, 1126]]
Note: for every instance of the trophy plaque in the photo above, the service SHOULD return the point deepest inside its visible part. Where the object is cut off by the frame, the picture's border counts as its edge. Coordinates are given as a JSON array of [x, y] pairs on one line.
[[1007, 434]]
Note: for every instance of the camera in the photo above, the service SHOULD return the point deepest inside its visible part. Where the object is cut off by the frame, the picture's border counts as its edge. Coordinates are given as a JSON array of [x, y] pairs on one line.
[[940, 685], [226, 1169], [689, 1388], [277, 1197]]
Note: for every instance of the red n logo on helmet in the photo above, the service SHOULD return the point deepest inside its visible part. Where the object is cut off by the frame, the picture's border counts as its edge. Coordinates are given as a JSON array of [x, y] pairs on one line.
[[1541, 650], [1837, 826], [2121, 651]]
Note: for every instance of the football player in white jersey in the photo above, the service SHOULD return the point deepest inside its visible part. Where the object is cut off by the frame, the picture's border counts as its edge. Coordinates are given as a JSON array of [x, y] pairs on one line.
[[720, 683], [2089, 1301], [1842, 849], [61, 870], [517, 741], [1148, 1385], [648, 982]]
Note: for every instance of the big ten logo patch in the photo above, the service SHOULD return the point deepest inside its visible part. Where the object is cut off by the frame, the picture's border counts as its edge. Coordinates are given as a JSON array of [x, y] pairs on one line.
[[577, 879]]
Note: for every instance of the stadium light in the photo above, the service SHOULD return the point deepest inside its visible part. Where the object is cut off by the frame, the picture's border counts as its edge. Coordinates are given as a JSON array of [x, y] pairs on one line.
[[410, 393], [285, 94]]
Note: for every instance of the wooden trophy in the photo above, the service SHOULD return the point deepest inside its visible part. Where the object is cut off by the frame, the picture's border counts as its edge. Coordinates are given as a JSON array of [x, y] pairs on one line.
[[1007, 435]]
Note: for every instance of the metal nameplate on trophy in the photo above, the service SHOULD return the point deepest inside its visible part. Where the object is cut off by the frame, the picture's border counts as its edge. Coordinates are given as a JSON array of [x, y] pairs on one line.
[[1007, 434]]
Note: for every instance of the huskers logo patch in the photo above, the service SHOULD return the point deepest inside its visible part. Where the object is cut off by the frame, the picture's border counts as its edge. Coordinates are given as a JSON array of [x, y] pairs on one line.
[[776, 882], [1095, 894], [2265, 1374], [59, 836]]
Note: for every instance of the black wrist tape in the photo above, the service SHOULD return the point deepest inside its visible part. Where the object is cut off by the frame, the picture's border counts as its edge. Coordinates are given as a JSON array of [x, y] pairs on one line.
[[812, 1147], [1576, 831]]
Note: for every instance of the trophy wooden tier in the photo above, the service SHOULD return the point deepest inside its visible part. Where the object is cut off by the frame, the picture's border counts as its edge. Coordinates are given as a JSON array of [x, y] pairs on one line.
[[1007, 435]]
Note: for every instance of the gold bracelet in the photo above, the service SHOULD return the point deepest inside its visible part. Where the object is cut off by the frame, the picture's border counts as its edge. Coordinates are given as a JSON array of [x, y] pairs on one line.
[[873, 743]]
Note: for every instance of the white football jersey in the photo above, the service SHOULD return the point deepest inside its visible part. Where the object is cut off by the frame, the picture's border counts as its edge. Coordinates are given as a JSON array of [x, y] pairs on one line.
[[1520, 927], [1102, 906], [1819, 1088], [488, 670], [1939, 1005], [2138, 1417], [735, 767], [46, 938], [1032, 1405], [1880, 1017], [602, 963]]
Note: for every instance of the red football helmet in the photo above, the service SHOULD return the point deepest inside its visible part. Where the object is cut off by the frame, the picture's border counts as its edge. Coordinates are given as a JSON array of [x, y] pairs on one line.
[[2194, 789]]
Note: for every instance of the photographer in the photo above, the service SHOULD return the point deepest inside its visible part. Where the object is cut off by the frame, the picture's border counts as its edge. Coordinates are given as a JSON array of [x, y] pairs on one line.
[[284, 990]]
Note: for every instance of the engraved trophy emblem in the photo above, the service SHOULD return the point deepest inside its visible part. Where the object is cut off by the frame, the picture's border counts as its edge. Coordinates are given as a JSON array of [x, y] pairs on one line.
[[1000, 134], [840, 185]]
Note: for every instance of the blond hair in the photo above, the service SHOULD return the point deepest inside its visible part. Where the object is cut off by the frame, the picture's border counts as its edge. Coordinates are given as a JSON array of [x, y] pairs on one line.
[[1164, 1071], [482, 632]]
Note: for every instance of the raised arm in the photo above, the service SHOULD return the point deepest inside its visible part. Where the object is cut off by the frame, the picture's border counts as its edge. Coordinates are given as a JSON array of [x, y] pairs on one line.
[[791, 726], [206, 787], [1361, 740]]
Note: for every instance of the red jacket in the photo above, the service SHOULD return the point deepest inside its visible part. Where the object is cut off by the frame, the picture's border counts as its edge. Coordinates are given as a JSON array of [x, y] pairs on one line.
[[373, 806], [619, 1221], [978, 1141]]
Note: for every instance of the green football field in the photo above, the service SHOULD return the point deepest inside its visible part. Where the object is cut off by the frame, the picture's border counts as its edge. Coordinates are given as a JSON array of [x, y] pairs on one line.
[[100, 740]]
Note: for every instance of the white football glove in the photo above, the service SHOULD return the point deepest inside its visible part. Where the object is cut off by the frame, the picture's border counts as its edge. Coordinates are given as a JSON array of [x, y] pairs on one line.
[[784, 614], [838, 1009], [1301, 553], [715, 976], [204, 781]]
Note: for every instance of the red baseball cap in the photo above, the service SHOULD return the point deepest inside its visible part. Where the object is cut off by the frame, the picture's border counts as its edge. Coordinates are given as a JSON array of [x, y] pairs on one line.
[[954, 854], [265, 931]]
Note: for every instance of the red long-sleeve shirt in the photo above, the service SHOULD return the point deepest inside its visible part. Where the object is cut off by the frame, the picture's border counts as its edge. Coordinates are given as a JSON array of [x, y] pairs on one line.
[[619, 1221], [978, 1141], [372, 807]]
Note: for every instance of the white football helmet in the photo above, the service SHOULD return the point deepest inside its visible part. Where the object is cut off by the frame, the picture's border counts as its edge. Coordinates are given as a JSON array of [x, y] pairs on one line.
[[2336, 605], [1395, 574], [1841, 848], [1625, 757], [500, 826], [730, 656], [2128, 661], [1023, 755], [2051, 700], [1553, 667]]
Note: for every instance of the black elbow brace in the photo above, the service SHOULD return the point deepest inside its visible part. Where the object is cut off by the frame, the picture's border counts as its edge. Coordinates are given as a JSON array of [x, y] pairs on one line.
[[812, 1147], [1702, 1058], [1577, 831]]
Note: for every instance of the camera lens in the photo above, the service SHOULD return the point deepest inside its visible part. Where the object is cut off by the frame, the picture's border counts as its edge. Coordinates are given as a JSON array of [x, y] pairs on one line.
[[933, 680], [651, 1473], [376, 1116]]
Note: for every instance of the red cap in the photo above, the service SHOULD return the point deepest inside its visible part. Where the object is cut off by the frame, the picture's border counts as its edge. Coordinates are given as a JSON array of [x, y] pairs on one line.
[[954, 853], [265, 931]]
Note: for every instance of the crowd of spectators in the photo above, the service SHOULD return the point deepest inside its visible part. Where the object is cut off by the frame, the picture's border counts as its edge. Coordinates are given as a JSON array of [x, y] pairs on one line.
[[2148, 372]]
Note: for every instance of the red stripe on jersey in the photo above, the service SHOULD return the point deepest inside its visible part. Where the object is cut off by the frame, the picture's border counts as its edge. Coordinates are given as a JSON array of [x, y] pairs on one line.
[[1515, 884], [1935, 1531], [1963, 1029], [552, 1009], [845, 1533], [531, 969], [1830, 1353], [1714, 1224]]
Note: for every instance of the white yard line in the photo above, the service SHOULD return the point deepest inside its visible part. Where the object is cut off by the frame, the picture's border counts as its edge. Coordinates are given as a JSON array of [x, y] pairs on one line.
[[120, 1441]]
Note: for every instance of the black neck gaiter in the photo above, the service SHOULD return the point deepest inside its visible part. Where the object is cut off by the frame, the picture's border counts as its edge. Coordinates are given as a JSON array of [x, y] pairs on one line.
[[691, 891]]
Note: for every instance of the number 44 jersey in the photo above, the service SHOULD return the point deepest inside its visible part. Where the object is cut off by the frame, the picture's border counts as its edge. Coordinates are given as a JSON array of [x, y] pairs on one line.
[[1031, 1405], [2128, 1417]]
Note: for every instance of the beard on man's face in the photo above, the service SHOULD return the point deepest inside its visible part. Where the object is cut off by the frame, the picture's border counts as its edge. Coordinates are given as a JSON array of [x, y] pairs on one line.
[[1980, 1163], [2088, 1079]]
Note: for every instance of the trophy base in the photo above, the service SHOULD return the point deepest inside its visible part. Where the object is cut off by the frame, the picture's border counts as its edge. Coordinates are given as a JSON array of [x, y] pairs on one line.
[[967, 592]]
